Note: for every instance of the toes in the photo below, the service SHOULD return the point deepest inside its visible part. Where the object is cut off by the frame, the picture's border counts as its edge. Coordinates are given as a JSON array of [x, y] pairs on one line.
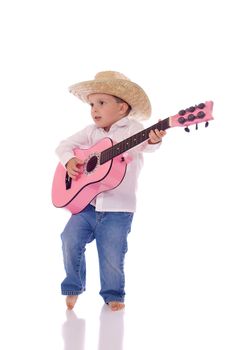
[[70, 301], [116, 306]]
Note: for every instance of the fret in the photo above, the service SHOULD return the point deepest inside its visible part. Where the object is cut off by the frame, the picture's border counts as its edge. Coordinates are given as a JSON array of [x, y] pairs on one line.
[[131, 141], [111, 153], [116, 149]]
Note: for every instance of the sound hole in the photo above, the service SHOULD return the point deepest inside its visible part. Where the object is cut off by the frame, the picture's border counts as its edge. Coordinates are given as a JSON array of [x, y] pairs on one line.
[[91, 164]]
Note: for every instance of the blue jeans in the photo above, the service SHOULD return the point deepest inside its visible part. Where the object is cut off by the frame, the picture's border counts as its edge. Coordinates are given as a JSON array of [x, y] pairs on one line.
[[110, 230]]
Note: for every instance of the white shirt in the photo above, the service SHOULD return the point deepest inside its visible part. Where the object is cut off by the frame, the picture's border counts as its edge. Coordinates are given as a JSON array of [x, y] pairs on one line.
[[123, 197]]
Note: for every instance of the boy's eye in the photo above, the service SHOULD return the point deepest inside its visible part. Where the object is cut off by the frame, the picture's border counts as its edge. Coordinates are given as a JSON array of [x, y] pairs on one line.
[[99, 102]]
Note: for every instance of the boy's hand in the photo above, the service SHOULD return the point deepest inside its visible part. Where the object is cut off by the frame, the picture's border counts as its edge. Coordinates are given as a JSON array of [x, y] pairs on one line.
[[155, 136], [74, 167]]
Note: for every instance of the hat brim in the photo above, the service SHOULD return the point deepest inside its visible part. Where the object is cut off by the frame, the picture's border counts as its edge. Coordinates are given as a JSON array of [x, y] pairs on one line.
[[127, 90]]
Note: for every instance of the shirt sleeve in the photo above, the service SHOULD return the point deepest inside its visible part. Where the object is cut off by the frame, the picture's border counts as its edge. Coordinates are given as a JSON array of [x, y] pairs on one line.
[[65, 149]]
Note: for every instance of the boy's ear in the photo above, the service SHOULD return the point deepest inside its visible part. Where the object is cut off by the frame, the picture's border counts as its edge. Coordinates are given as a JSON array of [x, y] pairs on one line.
[[124, 107]]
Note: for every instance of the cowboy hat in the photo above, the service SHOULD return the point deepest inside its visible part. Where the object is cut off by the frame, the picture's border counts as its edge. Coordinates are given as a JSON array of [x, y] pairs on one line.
[[116, 84]]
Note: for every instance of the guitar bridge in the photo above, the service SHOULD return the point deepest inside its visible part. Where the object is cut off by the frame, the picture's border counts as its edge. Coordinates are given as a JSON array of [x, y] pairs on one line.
[[68, 181]]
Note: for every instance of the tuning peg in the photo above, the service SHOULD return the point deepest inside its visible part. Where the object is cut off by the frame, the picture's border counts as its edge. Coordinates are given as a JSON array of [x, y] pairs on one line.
[[191, 117], [191, 109], [182, 112], [206, 124], [200, 114], [201, 105], [187, 129], [181, 120]]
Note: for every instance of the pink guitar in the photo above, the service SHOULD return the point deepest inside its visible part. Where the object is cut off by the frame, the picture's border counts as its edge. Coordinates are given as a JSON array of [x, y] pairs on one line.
[[105, 165]]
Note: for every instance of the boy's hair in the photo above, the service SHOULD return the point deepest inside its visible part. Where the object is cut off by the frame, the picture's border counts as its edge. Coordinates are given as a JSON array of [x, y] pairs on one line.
[[119, 100]]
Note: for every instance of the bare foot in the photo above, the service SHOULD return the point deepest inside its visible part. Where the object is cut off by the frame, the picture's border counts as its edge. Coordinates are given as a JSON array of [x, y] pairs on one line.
[[70, 301], [116, 305]]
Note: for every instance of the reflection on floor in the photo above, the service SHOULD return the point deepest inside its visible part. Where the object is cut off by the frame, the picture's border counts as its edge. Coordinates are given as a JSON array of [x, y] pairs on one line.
[[111, 330]]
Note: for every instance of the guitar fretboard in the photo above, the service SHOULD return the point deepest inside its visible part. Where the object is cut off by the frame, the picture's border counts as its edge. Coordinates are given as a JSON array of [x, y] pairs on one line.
[[131, 141]]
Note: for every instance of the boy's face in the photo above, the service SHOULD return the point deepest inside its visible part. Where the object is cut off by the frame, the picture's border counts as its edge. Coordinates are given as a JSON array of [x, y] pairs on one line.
[[105, 110]]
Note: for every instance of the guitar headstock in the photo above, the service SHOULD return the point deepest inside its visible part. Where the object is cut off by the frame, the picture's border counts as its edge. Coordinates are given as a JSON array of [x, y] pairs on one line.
[[193, 115]]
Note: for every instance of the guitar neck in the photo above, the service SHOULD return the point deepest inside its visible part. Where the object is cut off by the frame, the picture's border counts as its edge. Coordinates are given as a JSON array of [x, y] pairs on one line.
[[132, 141]]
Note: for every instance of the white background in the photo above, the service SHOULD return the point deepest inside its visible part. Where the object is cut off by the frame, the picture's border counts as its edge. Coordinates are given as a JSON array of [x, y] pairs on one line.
[[179, 264]]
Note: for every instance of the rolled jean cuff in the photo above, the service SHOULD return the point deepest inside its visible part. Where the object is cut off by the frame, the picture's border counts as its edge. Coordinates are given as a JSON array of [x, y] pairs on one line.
[[109, 300], [71, 292]]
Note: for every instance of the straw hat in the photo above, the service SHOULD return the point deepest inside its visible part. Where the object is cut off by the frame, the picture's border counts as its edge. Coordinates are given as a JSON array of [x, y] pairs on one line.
[[116, 84]]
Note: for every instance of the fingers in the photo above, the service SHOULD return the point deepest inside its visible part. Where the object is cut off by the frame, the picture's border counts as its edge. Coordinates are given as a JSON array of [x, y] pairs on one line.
[[73, 173], [74, 167], [156, 135]]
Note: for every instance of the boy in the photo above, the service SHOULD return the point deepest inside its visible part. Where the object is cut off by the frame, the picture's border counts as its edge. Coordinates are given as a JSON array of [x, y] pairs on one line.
[[116, 104]]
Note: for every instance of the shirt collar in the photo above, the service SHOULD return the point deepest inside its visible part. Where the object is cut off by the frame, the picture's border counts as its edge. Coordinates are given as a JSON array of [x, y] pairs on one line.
[[120, 123]]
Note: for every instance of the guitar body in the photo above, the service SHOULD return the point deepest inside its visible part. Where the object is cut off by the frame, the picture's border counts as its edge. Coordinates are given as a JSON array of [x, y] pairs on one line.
[[94, 179]]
